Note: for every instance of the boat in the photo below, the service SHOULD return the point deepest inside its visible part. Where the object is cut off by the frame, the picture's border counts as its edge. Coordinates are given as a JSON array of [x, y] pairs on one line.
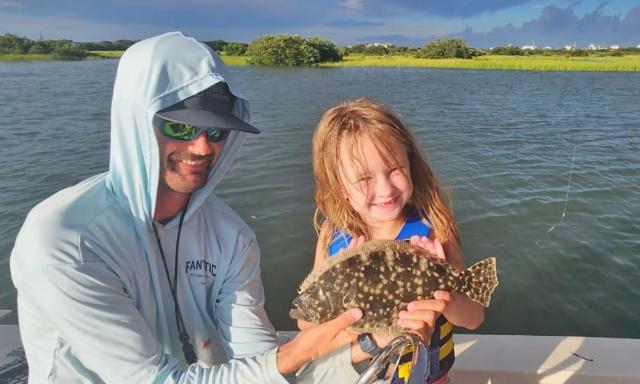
[[480, 359], [521, 359], [13, 364]]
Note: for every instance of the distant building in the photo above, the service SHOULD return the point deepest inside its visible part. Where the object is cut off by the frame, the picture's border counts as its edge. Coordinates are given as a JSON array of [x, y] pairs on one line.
[[614, 47], [386, 45], [569, 48], [596, 47], [547, 48], [638, 46], [529, 47]]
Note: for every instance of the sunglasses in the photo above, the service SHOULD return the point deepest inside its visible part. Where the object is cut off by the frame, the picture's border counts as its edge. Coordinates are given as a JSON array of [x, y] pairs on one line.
[[188, 132]]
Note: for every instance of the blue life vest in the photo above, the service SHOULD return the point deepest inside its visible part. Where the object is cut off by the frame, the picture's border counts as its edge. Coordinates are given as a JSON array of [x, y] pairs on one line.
[[440, 349]]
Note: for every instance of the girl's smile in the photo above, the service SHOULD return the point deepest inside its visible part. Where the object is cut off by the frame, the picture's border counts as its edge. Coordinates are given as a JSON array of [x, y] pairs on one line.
[[377, 190]]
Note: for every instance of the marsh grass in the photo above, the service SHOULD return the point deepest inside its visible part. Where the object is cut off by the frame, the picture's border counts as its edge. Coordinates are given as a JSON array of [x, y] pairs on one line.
[[107, 54], [26, 57], [235, 61], [50, 57], [529, 63], [628, 62]]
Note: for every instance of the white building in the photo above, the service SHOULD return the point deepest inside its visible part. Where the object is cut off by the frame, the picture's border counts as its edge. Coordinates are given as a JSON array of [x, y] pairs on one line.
[[529, 47], [386, 45], [614, 47]]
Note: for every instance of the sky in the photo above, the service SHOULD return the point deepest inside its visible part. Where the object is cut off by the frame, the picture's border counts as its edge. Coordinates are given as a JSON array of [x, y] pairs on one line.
[[481, 23]]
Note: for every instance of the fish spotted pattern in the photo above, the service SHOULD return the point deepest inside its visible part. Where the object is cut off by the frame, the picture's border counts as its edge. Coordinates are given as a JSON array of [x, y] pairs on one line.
[[381, 277]]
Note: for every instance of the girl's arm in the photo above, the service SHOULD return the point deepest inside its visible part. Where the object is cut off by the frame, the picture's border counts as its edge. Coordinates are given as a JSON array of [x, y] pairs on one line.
[[460, 309]]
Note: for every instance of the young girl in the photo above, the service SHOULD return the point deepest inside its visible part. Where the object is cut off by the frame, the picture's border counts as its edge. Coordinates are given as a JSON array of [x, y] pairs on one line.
[[373, 182]]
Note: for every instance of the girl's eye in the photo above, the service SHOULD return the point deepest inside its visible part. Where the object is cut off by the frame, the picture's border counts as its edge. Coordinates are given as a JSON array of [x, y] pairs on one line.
[[402, 170], [364, 179]]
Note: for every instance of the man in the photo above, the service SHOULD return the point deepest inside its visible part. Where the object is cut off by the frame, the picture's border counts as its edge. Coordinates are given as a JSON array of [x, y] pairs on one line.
[[141, 274]]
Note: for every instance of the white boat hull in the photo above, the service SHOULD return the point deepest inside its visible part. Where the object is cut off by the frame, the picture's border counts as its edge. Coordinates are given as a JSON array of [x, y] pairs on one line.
[[488, 359], [518, 359]]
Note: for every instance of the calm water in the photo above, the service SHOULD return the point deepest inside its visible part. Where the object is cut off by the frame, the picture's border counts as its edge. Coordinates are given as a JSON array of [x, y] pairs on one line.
[[503, 144]]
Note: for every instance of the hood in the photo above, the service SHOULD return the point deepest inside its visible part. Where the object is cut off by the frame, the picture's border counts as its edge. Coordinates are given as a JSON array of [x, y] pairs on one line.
[[149, 79]]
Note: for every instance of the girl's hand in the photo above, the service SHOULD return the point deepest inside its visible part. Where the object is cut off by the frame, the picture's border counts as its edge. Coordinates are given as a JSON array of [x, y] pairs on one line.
[[433, 247], [357, 241], [353, 243], [420, 316]]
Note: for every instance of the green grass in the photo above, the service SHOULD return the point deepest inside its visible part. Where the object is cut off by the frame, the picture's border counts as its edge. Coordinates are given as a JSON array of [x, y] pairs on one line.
[[628, 62], [107, 54], [530, 63], [27, 57], [234, 61], [49, 57]]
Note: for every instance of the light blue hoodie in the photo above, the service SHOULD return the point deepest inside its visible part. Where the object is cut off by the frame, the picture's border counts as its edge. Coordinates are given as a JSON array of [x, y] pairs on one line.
[[94, 302]]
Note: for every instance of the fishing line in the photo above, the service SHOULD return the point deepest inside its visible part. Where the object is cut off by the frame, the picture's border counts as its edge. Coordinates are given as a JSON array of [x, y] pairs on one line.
[[566, 198]]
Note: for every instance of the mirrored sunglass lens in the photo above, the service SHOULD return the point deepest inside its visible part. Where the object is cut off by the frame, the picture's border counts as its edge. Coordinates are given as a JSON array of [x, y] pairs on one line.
[[218, 135], [179, 131]]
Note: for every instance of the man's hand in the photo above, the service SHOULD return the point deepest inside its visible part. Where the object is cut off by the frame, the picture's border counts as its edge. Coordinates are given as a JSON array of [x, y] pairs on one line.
[[316, 341]]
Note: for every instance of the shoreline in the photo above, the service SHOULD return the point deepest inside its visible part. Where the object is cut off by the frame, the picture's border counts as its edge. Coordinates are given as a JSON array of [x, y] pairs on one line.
[[594, 63]]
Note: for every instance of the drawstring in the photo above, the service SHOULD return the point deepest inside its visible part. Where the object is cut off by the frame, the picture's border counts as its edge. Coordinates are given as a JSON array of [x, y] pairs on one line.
[[187, 348]]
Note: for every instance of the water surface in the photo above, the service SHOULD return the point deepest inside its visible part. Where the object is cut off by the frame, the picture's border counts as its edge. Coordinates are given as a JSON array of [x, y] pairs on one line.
[[504, 144]]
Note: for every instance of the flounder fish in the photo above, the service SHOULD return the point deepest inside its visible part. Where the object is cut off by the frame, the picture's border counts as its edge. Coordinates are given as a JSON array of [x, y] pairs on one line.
[[381, 277]]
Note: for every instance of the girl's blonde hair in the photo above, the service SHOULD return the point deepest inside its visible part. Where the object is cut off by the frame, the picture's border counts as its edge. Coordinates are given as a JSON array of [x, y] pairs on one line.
[[348, 121]]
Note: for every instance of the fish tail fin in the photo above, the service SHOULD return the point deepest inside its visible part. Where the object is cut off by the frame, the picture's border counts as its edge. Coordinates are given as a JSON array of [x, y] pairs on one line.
[[479, 281]]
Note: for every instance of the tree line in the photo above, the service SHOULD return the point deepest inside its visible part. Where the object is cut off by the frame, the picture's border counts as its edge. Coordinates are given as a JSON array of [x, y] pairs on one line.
[[282, 49], [59, 49], [295, 50]]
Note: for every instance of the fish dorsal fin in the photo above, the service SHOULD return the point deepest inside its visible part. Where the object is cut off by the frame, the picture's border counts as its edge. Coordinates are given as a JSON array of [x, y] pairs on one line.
[[374, 245]]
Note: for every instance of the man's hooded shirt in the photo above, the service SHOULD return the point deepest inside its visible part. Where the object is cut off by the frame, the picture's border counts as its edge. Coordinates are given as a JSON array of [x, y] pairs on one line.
[[94, 300]]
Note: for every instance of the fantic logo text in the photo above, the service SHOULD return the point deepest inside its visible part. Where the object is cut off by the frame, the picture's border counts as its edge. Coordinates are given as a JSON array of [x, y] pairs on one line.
[[200, 265]]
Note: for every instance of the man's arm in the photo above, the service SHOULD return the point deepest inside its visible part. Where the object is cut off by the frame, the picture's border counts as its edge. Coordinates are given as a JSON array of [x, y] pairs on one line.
[[107, 334], [241, 300]]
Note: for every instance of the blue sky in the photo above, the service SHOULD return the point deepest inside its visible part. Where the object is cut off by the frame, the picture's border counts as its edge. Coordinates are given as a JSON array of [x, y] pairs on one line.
[[482, 23]]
